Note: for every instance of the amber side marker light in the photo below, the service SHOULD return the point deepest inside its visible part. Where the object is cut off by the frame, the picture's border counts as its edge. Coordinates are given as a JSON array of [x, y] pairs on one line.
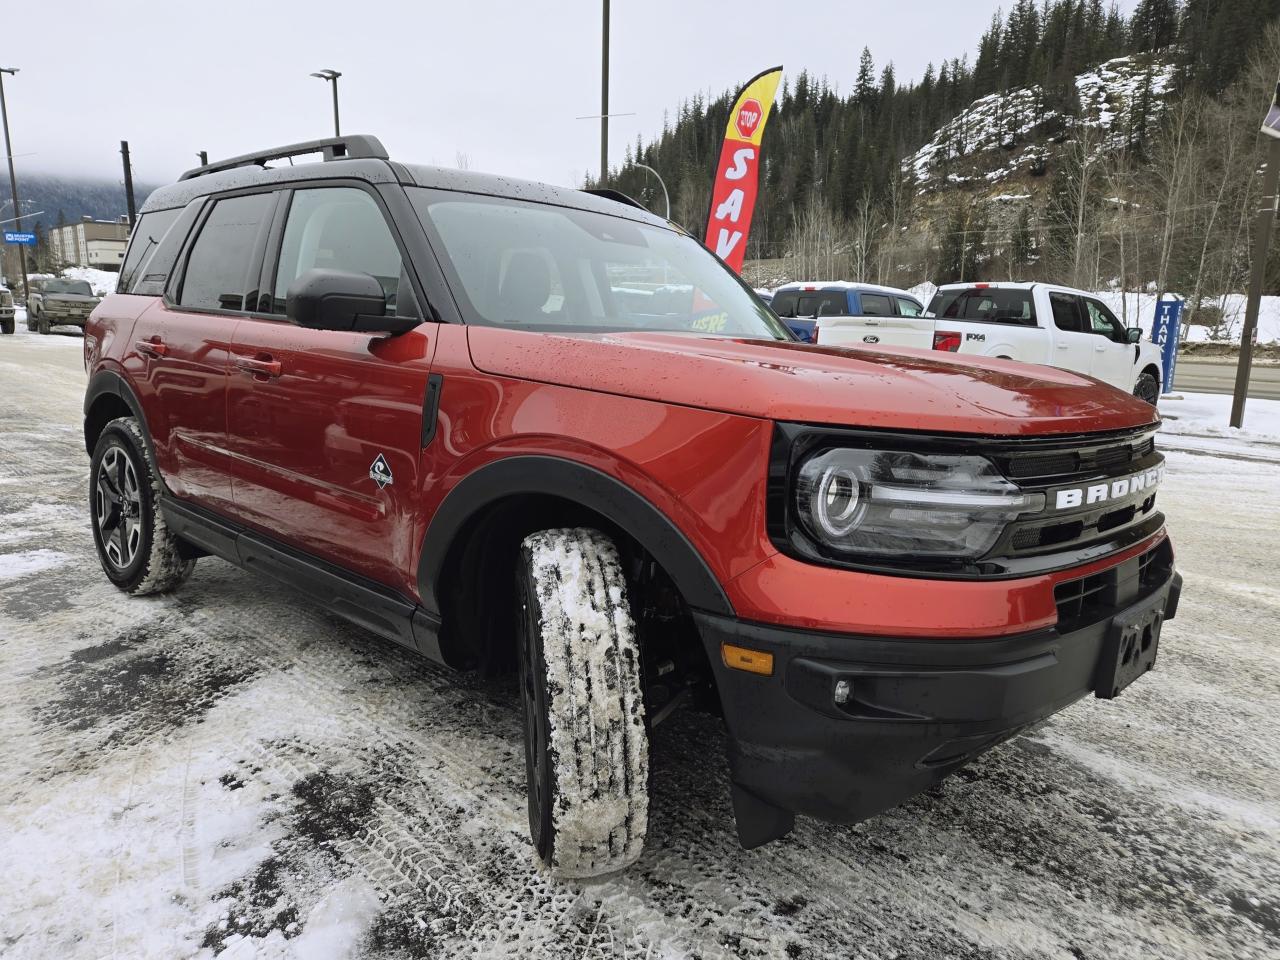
[[752, 661]]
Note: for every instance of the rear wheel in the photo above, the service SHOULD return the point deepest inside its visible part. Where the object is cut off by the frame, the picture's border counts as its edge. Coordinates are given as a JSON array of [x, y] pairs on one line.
[[1148, 389], [586, 747], [137, 551]]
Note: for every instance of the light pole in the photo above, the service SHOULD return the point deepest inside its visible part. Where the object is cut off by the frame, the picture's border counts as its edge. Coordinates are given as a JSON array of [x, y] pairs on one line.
[[331, 76], [13, 180], [665, 196], [604, 99]]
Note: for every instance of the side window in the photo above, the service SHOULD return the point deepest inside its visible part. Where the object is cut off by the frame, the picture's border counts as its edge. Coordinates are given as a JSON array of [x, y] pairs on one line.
[[217, 274], [1066, 312], [908, 308], [876, 305], [146, 237], [341, 228], [1103, 322]]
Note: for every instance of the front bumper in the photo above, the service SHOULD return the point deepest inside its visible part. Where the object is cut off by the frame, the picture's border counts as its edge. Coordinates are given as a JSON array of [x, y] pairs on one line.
[[916, 711]]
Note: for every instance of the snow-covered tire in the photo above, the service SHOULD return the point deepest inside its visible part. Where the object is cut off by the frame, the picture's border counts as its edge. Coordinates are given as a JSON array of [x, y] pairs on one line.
[[137, 551], [586, 746], [1148, 389]]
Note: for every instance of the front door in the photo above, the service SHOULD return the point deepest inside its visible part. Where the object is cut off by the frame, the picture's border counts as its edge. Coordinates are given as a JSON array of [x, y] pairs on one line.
[[1113, 354], [326, 426]]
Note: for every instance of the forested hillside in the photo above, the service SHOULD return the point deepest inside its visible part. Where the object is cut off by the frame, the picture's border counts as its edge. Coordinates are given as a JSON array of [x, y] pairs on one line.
[[1077, 144]]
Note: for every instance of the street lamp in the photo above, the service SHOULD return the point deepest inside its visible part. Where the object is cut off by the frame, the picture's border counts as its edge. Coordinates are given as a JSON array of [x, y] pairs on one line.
[[665, 196], [331, 76], [13, 180]]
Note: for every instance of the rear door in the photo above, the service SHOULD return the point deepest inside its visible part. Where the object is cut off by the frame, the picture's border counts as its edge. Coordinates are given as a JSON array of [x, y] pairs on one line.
[[1113, 354], [1073, 345], [181, 346], [326, 427]]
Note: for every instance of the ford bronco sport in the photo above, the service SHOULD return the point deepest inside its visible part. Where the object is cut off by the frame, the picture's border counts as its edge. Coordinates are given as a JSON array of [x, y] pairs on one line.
[[518, 427]]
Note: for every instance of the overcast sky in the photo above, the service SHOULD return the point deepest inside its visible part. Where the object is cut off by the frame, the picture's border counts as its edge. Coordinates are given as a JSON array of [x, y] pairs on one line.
[[501, 82]]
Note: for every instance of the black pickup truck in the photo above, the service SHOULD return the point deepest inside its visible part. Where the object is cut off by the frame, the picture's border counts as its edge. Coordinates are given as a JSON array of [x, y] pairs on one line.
[[60, 301]]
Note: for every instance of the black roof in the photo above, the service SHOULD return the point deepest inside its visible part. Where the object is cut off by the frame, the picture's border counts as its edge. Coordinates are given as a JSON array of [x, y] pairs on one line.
[[362, 157]]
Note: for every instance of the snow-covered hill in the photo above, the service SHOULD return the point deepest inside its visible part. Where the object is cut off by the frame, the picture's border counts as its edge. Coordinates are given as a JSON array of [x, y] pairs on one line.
[[1011, 133]]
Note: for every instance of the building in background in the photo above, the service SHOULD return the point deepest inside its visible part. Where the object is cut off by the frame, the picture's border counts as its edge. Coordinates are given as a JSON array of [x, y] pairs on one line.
[[90, 243]]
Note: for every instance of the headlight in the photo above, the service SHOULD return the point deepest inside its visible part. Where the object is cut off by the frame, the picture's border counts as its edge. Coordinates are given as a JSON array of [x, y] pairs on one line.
[[891, 503]]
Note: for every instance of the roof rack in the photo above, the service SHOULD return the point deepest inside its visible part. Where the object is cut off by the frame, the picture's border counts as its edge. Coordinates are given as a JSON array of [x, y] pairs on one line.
[[357, 146]]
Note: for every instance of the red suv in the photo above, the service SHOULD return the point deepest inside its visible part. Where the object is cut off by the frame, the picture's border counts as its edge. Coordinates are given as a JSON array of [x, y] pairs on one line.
[[518, 427]]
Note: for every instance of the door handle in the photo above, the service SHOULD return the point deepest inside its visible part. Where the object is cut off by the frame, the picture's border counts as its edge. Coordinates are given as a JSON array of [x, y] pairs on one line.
[[259, 367], [1099, 348], [1062, 346], [152, 348]]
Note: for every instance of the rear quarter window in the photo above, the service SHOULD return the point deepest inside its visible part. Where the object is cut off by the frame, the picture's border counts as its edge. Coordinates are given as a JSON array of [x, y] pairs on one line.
[[143, 243]]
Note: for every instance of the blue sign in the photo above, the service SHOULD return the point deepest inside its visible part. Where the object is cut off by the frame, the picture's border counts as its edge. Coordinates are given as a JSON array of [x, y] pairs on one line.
[[1165, 332], [22, 239]]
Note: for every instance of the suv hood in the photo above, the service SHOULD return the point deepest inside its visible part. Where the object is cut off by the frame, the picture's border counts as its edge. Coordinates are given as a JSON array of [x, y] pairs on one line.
[[898, 389]]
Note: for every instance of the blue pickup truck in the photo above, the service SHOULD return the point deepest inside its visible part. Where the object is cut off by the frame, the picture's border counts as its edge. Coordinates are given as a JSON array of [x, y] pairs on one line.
[[801, 304]]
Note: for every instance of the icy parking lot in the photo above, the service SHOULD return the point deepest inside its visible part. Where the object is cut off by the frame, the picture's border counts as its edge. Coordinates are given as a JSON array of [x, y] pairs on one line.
[[225, 771]]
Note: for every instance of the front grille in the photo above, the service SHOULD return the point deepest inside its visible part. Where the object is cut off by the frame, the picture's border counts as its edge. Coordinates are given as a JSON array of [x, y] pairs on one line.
[[1088, 600], [1086, 456]]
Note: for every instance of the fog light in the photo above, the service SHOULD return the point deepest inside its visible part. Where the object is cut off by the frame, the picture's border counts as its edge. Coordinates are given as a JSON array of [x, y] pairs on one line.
[[843, 689]]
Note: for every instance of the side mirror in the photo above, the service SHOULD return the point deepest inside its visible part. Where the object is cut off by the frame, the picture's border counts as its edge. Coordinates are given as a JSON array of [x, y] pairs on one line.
[[341, 300], [1135, 334]]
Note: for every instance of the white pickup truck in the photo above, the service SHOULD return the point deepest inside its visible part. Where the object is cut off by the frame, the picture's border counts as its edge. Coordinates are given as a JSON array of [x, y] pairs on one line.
[[1034, 322]]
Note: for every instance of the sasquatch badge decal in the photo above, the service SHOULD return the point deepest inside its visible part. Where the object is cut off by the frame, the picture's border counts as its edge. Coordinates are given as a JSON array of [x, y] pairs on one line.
[[380, 472]]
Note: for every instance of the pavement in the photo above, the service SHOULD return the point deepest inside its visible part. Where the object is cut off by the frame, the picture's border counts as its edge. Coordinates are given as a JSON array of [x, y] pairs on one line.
[[1219, 376], [225, 771]]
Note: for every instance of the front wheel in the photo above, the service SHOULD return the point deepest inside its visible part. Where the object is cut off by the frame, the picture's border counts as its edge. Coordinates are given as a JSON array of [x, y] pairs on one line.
[[586, 746], [42, 324], [137, 551], [1148, 389], [6, 326]]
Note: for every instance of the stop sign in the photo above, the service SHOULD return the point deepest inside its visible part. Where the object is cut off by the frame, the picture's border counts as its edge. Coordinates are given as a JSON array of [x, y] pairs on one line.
[[748, 118]]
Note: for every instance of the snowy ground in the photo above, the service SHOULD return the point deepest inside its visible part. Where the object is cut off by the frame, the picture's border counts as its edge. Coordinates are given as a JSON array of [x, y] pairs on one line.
[[227, 771]]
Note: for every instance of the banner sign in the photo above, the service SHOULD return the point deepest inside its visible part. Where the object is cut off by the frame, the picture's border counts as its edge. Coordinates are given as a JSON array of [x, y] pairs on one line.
[[1165, 332], [733, 197], [22, 239], [1271, 125]]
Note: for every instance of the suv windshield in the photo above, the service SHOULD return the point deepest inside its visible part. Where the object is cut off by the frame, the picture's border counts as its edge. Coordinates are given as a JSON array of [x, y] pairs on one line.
[[80, 287], [984, 305], [550, 268]]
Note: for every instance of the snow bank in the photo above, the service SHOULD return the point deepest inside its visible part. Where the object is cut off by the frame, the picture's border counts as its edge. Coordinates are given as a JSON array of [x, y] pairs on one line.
[[102, 281], [1138, 309], [1207, 414]]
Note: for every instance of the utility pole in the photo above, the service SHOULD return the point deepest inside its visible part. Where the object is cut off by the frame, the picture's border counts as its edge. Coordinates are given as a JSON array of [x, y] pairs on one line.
[[604, 99], [1261, 248], [331, 76], [13, 180], [128, 184]]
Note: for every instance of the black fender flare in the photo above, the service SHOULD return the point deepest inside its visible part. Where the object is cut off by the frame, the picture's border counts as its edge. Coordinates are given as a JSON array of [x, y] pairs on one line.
[[567, 479], [110, 383]]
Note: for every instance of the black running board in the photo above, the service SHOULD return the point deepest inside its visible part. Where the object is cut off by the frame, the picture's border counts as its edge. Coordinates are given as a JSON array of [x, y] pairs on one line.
[[363, 602]]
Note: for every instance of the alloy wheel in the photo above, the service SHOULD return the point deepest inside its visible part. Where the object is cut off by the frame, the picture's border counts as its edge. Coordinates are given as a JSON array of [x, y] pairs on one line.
[[118, 508]]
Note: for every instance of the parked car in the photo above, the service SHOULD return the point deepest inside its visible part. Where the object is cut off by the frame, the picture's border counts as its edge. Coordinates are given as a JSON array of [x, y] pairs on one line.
[[7, 311], [60, 302], [416, 395], [801, 305], [1033, 322]]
